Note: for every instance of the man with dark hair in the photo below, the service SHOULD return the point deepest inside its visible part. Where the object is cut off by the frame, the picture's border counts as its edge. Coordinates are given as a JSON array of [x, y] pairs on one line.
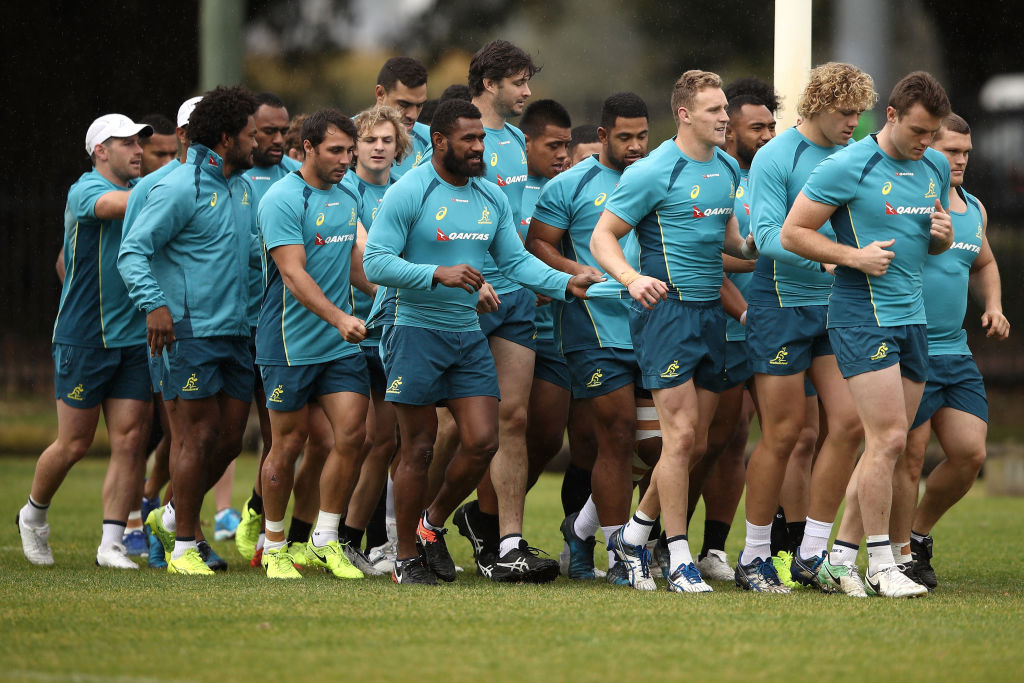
[[434, 228], [195, 223], [679, 201], [594, 336], [499, 75], [584, 142], [887, 197], [309, 224], [98, 348], [402, 84], [788, 346], [160, 146], [719, 474]]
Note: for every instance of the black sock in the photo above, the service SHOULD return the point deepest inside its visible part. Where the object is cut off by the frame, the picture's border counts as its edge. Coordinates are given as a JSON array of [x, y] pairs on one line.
[[488, 525], [376, 530], [342, 530], [656, 528], [256, 502], [298, 531], [780, 534], [796, 534], [715, 533], [355, 537], [575, 489]]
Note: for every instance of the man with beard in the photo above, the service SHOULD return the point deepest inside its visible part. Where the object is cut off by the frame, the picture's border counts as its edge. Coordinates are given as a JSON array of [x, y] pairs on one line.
[[194, 223], [434, 228], [594, 335]]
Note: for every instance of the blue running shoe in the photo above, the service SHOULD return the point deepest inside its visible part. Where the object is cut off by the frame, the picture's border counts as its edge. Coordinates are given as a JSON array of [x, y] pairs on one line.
[[808, 572], [148, 505], [135, 543], [157, 557], [758, 576], [225, 524], [618, 575], [212, 559], [581, 551]]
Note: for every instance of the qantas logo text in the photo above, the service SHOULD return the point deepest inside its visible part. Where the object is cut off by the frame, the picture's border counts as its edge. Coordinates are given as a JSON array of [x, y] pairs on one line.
[[717, 211], [508, 180], [333, 239], [891, 210], [442, 237]]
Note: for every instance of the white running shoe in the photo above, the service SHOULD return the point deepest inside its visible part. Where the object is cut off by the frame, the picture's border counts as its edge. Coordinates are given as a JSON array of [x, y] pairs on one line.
[[35, 542], [715, 566], [359, 560], [850, 582], [114, 556], [382, 558], [889, 582], [687, 579], [638, 563]]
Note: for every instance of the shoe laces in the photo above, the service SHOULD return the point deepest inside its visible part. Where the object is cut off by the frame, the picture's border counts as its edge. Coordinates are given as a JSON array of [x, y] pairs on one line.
[[690, 573], [766, 570], [644, 555]]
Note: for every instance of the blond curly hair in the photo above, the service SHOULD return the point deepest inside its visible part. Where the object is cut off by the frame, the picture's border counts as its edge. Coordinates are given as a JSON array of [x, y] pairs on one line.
[[368, 119], [689, 84], [835, 86]]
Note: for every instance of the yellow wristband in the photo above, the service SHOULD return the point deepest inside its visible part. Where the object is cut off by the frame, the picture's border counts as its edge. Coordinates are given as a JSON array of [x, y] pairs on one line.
[[628, 277]]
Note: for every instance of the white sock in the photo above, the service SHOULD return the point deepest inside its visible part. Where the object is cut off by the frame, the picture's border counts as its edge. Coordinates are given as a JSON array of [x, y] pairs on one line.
[[270, 545], [180, 547], [169, 521], [426, 523], [135, 516], [508, 543], [842, 553], [389, 501], [879, 553], [261, 541], [679, 551], [815, 538], [113, 532], [608, 531], [898, 554], [326, 528], [637, 530], [587, 522], [758, 543], [33, 513]]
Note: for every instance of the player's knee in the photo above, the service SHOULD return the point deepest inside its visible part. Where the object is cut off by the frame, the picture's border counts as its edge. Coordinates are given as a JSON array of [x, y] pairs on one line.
[[892, 443], [513, 421], [482, 445], [781, 438]]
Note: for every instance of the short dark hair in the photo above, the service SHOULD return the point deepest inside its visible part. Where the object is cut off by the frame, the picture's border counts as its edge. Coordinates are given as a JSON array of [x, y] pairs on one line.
[[496, 60], [456, 91], [160, 124], [427, 111], [583, 135], [542, 113], [223, 110], [628, 105], [919, 87], [751, 91], [955, 123], [450, 111], [269, 99], [314, 128], [409, 71]]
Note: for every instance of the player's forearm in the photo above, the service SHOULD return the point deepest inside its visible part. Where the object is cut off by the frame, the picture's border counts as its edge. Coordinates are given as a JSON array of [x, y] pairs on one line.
[[137, 272], [112, 205], [813, 246], [769, 243], [608, 254], [388, 269], [732, 299], [520, 265], [986, 286], [308, 293], [549, 254]]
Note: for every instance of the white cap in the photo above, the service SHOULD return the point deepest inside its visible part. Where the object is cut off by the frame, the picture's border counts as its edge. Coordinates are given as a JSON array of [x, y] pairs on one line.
[[112, 126], [185, 110]]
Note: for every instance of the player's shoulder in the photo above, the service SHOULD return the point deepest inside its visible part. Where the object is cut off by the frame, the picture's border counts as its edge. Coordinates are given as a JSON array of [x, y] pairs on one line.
[[972, 200], [729, 162], [289, 164], [937, 160], [489, 190], [421, 132]]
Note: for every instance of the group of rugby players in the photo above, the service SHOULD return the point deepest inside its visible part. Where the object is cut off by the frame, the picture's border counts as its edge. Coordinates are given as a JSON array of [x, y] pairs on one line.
[[379, 282]]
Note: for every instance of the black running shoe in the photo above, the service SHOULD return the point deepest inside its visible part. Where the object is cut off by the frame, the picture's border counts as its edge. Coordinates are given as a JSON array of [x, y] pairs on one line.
[[435, 552], [414, 572], [212, 559], [524, 565], [909, 570], [922, 553]]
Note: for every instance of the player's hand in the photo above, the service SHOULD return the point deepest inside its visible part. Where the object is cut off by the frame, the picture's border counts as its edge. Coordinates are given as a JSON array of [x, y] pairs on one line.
[[579, 283], [648, 291], [941, 230], [460, 277], [351, 329], [830, 268], [874, 259], [543, 300], [749, 248], [488, 300], [159, 330], [995, 324]]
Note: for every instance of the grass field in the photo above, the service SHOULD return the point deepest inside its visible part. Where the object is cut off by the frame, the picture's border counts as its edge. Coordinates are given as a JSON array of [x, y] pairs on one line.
[[77, 622]]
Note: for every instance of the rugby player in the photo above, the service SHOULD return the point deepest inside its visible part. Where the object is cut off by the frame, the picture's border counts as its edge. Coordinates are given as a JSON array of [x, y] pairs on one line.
[[402, 85]]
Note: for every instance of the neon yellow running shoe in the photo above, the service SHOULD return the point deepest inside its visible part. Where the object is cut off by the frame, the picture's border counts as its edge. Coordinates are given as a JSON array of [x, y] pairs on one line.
[[332, 558], [783, 563], [191, 563], [247, 534], [279, 563], [298, 552], [155, 522]]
